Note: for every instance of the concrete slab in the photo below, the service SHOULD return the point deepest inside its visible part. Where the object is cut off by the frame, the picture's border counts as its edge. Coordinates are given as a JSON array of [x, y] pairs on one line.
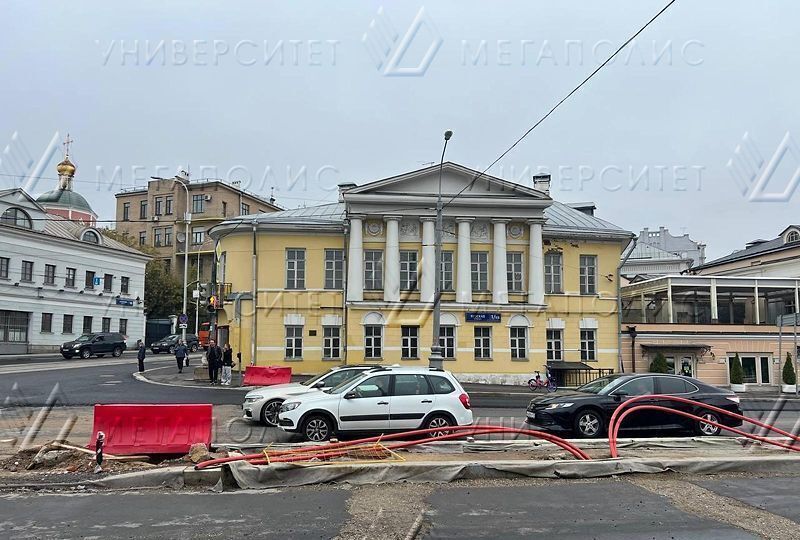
[[602, 510], [776, 495]]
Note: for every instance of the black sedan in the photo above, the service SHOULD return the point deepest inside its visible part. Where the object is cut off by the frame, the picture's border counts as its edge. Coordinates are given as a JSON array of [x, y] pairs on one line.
[[587, 410], [168, 343]]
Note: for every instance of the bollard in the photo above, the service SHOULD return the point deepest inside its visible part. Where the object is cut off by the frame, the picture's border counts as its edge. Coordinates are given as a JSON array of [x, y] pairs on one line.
[[98, 453]]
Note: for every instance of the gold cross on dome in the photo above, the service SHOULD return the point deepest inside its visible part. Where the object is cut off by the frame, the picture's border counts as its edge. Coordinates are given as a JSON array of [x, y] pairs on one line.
[[66, 143]]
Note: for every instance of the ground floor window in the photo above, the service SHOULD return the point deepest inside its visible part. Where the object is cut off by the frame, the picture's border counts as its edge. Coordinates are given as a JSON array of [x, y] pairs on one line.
[[47, 323], [123, 326], [294, 342], [410, 342], [555, 345], [447, 341], [14, 326], [483, 342], [66, 326], [519, 345], [588, 345], [87, 325], [331, 342], [756, 369], [373, 341], [106, 326]]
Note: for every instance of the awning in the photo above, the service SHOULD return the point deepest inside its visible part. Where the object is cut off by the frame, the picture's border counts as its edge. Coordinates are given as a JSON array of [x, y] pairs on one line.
[[563, 366], [675, 346]]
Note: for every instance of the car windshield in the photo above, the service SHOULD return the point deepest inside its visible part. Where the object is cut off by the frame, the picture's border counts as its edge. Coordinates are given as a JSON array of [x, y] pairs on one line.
[[603, 385], [171, 337], [312, 380], [339, 388], [85, 337]]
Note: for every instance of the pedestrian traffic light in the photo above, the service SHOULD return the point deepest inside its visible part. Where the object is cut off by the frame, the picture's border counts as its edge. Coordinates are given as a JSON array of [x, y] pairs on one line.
[[204, 291], [211, 305]]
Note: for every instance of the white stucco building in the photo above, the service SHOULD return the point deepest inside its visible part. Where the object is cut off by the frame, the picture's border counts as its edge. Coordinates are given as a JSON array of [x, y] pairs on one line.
[[60, 278]]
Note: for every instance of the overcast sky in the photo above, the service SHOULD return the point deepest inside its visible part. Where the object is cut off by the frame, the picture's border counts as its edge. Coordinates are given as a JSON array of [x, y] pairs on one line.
[[300, 96]]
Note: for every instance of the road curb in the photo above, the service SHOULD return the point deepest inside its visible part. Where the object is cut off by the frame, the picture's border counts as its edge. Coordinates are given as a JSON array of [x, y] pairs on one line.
[[141, 377]]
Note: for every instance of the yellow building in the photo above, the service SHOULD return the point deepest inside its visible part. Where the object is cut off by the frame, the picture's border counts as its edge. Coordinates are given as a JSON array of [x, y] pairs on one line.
[[526, 280]]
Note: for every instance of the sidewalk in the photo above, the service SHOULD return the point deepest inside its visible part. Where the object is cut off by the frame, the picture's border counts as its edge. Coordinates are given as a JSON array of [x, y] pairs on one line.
[[193, 376]]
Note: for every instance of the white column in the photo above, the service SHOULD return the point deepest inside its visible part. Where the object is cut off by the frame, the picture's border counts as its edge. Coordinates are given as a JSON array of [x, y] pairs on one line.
[[427, 283], [355, 261], [714, 307], [391, 266], [464, 264], [535, 264], [499, 266]]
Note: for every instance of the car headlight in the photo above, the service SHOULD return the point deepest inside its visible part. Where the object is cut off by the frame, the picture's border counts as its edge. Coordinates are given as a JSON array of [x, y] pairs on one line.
[[559, 405], [289, 406], [252, 399], [76, 346]]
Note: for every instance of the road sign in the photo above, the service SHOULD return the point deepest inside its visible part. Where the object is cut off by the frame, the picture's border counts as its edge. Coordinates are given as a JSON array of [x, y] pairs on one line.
[[196, 293], [482, 317], [97, 281], [125, 302], [183, 319], [182, 326]]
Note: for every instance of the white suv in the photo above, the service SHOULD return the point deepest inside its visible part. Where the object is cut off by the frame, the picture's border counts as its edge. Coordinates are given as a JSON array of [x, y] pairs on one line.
[[380, 399], [262, 404]]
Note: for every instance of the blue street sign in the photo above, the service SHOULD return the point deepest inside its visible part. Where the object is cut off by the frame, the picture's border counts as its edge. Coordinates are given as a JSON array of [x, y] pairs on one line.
[[125, 301], [97, 281], [183, 318], [482, 317]]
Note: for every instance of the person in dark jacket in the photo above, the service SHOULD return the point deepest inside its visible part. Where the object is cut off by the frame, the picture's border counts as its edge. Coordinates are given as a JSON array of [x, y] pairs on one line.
[[140, 355], [227, 364], [214, 358], [181, 352]]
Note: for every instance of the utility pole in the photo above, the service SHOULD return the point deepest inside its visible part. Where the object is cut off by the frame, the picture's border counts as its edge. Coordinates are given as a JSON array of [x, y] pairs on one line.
[[435, 360], [197, 301]]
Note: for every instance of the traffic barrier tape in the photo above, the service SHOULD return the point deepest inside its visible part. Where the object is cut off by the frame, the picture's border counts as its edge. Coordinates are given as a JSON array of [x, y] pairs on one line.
[[266, 376], [151, 429]]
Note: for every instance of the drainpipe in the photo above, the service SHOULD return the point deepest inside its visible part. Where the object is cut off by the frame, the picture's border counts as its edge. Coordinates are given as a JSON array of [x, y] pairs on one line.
[[346, 244], [628, 251], [255, 298]]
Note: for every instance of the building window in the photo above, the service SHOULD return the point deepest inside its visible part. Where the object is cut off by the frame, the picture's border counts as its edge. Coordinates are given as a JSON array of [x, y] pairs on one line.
[[793, 236], [447, 341], [295, 269], [224, 208], [514, 271], [91, 237], [4, 263], [198, 204], [245, 210], [331, 342], [168, 205], [108, 281], [87, 325], [124, 284], [519, 342], [49, 274], [142, 209], [159, 205], [47, 323], [483, 342], [373, 338], [198, 235], [89, 281], [142, 238], [334, 268], [123, 327], [66, 324], [555, 345], [480, 271], [106, 324], [552, 273], [126, 211], [13, 326], [294, 342], [157, 237], [588, 346], [408, 270], [167, 236], [588, 274], [410, 342], [373, 269], [27, 271], [70, 279], [16, 217], [447, 271]]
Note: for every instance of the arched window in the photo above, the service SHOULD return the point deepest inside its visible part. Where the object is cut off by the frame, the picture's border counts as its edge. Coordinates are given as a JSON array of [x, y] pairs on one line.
[[16, 217], [91, 236], [793, 236]]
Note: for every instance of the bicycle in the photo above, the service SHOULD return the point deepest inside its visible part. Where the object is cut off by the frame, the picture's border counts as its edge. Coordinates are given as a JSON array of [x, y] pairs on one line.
[[548, 383]]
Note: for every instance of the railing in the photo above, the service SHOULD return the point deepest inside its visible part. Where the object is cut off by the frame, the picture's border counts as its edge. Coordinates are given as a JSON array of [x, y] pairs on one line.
[[577, 377]]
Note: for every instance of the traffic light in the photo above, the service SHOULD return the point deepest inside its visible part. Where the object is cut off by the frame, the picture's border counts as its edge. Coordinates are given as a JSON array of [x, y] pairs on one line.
[[211, 304], [204, 291]]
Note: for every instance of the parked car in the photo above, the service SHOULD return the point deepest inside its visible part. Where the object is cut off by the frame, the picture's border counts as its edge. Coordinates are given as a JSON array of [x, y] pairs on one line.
[[168, 343], [262, 404], [385, 399], [587, 410], [99, 344]]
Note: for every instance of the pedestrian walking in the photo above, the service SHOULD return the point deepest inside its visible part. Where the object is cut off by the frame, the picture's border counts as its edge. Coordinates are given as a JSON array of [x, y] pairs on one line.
[[227, 364], [214, 357], [181, 354], [140, 355]]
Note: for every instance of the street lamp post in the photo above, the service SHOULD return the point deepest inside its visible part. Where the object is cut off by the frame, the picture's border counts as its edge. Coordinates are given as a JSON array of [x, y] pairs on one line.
[[187, 218], [435, 360]]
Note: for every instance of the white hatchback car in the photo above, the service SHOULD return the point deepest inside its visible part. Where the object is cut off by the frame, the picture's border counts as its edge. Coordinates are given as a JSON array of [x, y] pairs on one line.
[[262, 404], [382, 400]]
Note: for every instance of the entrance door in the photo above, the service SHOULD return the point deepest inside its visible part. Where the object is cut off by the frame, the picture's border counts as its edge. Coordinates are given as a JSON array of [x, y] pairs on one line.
[[684, 365]]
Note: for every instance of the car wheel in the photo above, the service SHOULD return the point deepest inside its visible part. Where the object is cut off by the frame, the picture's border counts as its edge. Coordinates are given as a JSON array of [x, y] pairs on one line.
[[116, 352], [317, 428], [708, 430], [588, 424], [171, 349], [438, 421], [269, 412], [193, 348], [86, 353]]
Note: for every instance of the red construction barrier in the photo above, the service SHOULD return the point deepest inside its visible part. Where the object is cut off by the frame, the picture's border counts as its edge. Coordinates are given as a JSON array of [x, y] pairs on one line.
[[266, 376], [151, 429]]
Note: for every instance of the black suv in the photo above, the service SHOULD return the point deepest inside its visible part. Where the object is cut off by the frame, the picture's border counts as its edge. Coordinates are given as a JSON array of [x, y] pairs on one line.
[[99, 345], [168, 343]]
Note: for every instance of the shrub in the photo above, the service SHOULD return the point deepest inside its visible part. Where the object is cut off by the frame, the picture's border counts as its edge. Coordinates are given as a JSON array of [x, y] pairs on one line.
[[659, 364], [737, 374], [789, 376]]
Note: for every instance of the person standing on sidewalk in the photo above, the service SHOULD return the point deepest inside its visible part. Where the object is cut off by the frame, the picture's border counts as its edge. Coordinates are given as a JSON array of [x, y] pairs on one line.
[[140, 355], [181, 352], [227, 364], [214, 357]]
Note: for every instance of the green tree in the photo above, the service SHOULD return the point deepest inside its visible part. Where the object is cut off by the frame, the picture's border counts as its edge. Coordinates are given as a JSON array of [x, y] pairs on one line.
[[737, 374], [163, 294], [659, 364], [789, 376]]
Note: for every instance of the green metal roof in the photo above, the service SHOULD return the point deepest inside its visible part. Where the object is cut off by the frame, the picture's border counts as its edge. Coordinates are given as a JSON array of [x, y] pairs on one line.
[[66, 199]]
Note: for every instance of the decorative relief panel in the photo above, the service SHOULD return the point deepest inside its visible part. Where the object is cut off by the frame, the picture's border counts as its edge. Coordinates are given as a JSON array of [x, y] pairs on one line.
[[480, 230], [374, 228], [409, 230], [449, 231], [515, 231]]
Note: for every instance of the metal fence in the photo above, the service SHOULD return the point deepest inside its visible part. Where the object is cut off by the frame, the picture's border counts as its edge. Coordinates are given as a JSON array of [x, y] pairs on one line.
[[578, 377]]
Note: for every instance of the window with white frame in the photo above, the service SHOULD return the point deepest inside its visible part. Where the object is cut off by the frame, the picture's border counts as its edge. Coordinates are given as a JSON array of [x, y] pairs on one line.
[[331, 342], [447, 341], [447, 271], [588, 345], [5, 262], [373, 269], [518, 342], [373, 341], [198, 235], [410, 342], [555, 345], [334, 268], [514, 271], [295, 268], [408, 270], [483, 342], [294, 341], [480, 271], [552, 272], [588, 274]]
